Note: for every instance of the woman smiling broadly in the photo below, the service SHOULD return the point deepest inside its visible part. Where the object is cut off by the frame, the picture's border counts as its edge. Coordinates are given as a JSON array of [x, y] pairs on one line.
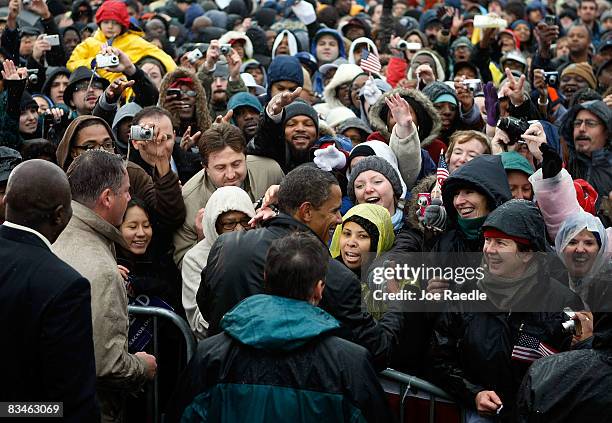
[[365, 229], [374, 181]]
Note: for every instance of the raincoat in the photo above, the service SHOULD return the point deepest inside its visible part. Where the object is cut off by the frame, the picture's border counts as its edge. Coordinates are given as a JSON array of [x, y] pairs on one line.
[[276, 360]]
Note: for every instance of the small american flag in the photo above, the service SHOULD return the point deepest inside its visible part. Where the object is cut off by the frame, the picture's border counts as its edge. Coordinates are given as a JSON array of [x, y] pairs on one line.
[[369, 61], [442, 172], [529, 348]]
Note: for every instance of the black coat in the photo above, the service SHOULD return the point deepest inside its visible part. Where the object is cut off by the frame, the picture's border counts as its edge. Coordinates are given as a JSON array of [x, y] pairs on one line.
[[574, 386], [235, 268], [472, 351], [45, 321]]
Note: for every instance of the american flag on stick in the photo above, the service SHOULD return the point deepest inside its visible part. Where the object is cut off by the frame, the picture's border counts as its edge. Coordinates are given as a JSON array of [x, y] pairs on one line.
[[369, 61], [442, 172], [529, 348]]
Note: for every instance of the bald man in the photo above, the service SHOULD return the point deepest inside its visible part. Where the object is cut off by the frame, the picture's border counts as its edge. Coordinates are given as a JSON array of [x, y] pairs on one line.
[[45, 305]]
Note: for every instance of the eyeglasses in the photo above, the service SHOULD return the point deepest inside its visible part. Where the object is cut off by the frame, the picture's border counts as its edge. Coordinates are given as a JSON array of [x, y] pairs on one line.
[[83, 86], [88, 147], [590, 123], [230, 225]]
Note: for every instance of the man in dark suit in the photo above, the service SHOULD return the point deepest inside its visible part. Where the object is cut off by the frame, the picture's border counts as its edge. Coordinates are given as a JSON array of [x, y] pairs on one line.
[[45, 305]]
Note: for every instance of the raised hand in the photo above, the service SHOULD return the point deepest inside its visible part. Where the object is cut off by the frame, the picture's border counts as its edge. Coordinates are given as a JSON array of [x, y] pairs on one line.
[[188, 140], [400, 110], [212, 55], [280, 100], [114, 91], [41, 46], [40, 8], [464, 94], [12, 73], [425, 73], [535, 136], [514, 88], [227, 118], [233, 64]]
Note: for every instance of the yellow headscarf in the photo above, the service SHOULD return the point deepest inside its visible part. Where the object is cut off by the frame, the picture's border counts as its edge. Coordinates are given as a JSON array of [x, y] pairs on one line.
[[374, 213]]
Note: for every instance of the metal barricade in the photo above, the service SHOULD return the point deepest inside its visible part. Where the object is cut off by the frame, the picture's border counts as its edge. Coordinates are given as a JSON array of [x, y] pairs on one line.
[[181, 324], [413, 387]]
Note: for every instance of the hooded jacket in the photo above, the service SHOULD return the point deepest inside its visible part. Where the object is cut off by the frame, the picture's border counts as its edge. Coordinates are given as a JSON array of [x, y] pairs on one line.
[[130, 42], [127, 111], [237, 35], [88, 245], [222, 200], [293, 43], [344, 75], [277, 360], [46, 89], [333, 33], [235, 271], [582, 382], [426, 114], [597, 169], [284, 68], [440, 75], [255, 63], [357, 42], [201, 114], [375, 214]]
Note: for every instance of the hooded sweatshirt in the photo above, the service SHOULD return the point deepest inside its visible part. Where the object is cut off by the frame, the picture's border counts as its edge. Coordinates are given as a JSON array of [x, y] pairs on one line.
[[440, 76], [127, 111], [46, 89], [222, 200], [344, 75], [284, 68], [293, 44], [333, 33], [360, 42]]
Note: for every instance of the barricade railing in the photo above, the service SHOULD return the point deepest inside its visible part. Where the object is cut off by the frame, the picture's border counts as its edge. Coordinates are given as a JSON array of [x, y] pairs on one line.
[[407, 386], [190, 343]]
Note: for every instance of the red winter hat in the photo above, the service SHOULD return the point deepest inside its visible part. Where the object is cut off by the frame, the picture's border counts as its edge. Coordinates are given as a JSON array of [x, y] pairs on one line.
[[113, 11], [586, 195]]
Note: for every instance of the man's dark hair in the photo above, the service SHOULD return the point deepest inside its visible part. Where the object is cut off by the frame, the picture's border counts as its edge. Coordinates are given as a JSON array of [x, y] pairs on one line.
[[295, 263], [583, 95], [219, 136], [306, 183], [580, 25], [92, 172], [151, 111], [39, 148]]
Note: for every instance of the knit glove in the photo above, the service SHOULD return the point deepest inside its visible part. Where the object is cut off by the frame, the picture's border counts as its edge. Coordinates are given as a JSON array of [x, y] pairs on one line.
[[551, 162], [329, 158], [371, 92], [491, 101], [445, 19], [435, 215]]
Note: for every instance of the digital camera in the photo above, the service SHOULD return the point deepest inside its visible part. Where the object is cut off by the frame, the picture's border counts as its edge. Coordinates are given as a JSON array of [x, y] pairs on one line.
[[513, 127], [405, 45], [474, 85], [225, 48], [194, 55], [53, 40], [140, 133], [106, 60], [551, 78]]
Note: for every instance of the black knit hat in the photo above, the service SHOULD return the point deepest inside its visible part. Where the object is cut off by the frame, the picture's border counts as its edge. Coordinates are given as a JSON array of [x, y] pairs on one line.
[[301, 108], [377, 164]]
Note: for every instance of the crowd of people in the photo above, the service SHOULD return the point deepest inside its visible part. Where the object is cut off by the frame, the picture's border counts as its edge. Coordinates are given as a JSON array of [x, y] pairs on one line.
[[251, 165]]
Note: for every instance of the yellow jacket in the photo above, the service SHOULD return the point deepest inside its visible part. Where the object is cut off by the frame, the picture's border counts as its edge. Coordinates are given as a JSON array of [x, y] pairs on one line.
[[130, 42]]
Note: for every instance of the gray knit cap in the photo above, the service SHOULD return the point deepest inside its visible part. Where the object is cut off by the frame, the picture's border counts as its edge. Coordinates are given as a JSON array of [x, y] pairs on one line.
[[377, 164], [300, 108]]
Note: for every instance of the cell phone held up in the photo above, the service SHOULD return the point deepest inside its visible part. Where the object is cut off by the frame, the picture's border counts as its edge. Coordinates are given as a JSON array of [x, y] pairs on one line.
[[176, 92]]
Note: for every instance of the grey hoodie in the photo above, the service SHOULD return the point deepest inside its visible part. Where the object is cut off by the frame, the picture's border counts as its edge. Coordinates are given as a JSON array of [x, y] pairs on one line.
[[126, 111]]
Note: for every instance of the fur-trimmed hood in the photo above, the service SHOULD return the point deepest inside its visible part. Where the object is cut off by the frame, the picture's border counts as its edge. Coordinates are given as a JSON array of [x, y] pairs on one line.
[[428, 131], [202, 116]]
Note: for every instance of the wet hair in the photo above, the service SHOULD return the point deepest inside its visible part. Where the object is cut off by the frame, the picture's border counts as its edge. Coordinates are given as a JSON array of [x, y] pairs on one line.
[[305, 184], [93, 172], [294, 265], [218, 137]]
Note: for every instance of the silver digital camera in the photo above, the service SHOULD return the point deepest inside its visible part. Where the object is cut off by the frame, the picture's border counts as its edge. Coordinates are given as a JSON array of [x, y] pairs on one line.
[[139, 133], [53, 40], [225, 48], [106, 60], [474, 85], [194, 55]]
